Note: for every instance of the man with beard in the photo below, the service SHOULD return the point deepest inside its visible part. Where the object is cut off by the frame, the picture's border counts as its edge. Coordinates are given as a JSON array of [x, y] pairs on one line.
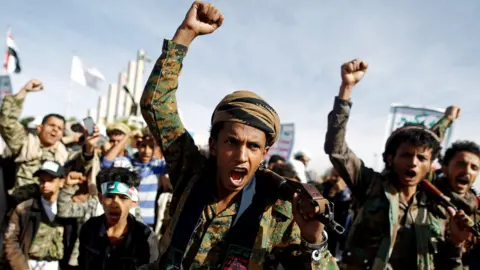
[[227, 213], [394, 228], [460, 166]]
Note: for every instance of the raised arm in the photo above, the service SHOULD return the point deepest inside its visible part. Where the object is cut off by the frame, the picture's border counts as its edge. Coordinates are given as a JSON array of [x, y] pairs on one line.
[[159, 102], [348, 165], [440, 128], [12, 131]]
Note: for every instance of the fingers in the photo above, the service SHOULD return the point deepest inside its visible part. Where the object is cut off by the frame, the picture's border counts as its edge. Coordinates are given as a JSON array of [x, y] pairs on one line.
[[451, 211], [462, 220], [208, 13], [355, 65]]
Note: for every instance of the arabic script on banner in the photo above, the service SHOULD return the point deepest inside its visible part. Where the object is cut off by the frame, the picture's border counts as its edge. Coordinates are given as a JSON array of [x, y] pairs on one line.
[[284, 145]]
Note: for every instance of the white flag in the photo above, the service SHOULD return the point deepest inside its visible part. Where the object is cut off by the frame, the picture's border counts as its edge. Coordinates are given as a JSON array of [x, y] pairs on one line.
[[88, 77]]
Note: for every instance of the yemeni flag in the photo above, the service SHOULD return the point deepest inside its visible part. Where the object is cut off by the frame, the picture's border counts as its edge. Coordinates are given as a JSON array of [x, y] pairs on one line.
[[12, 63]]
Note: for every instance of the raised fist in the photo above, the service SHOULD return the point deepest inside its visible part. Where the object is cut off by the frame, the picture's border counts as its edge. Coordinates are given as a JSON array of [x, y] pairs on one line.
[[202, 18], [452, 113], [75, 178], [353, 71], [33, 86]]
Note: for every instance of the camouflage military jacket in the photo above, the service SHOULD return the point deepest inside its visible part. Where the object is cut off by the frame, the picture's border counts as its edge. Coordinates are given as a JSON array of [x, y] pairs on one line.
[[185, 163], [469, 204], [27, 149], [23, 227], [370, 242]]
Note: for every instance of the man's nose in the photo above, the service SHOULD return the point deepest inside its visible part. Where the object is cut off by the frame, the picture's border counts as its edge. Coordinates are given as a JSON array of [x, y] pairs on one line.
[[242, 154]]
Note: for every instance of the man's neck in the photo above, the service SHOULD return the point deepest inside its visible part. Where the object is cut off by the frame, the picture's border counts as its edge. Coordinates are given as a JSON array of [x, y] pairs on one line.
[[52, 198], [118, 229], [408, 192]]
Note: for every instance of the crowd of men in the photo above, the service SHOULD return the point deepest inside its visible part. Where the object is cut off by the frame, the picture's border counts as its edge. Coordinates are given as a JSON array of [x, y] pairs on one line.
[[152, 199]]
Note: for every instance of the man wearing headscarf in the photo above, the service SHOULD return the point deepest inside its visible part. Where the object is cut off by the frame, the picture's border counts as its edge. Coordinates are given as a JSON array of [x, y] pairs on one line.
[[227, 212]]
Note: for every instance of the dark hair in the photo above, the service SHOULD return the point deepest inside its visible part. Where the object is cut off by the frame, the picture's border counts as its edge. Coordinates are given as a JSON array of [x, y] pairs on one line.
[[215, 130], [285, 170], [275, 159], [58, 116], [118, 174], [460, 146], [77, 127], [416, 137]]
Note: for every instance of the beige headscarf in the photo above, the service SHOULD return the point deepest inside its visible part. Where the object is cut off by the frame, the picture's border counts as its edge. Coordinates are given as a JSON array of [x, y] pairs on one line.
[[248, 108]]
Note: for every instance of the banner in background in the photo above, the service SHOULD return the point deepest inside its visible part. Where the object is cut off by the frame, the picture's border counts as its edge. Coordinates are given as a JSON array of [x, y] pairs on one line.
[[284, 145], [401, 114]]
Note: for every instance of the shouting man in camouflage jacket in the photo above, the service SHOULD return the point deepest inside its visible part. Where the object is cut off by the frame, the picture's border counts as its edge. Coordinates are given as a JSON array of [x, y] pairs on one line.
[[30, 150], [395, 228], [226, 210], [460, 167]]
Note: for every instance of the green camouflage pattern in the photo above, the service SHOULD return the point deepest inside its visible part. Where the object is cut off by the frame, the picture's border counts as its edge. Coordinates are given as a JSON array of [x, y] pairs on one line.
[[185, 162], [373, 232], [48, 242], [20, 143]]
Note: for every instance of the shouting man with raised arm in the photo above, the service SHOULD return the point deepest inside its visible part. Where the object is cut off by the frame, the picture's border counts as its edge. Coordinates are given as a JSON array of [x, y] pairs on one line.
[[396, 227], [227, 213]]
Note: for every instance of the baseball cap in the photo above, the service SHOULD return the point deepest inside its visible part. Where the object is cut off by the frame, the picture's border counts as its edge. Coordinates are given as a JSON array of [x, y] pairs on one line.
[[52, 168]]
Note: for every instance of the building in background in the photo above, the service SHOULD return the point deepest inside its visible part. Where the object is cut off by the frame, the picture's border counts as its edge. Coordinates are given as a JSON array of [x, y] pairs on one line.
[[118, 105]]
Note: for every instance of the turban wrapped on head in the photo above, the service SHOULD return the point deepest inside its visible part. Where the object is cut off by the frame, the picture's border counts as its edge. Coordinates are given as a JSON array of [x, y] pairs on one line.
[[248, 108]]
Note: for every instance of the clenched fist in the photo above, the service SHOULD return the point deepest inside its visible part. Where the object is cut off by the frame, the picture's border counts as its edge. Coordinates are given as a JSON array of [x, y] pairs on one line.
[[353, 72], [33, 86], [452, 113], [202, 18], [75, 178]]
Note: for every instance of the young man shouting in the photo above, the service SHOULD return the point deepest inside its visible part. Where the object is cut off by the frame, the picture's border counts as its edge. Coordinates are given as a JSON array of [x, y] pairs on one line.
[[227, 213], [394, 228], [116, 240]]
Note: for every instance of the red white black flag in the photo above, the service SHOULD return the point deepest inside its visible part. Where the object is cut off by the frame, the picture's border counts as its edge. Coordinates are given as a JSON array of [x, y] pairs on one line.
[[12, 62]]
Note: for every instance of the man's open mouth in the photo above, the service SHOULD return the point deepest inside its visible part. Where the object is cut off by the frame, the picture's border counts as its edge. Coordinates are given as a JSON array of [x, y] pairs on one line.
[[114, 215], [410, 174], [237, 175], [462, 181]]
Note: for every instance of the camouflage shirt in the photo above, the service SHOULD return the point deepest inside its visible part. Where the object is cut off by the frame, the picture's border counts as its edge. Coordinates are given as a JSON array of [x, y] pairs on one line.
[[185, 162], [375, 229], [27, 149]]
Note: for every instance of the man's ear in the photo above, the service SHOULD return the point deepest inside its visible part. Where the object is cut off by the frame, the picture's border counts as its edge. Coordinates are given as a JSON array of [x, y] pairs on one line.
[[212, 146], [389, 160], [39, 128], [265, 152], [100, 197]]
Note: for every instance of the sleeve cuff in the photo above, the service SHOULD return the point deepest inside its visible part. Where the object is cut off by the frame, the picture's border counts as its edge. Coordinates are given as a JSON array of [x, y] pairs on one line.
[[174, 50], [342, 106]]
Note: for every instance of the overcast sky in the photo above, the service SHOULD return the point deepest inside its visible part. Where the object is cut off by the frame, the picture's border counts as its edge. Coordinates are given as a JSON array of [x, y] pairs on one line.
[[420, 52]]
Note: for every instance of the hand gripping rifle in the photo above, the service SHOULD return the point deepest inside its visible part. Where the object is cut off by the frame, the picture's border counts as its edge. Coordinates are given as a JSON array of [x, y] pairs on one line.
[[445, 201], [311, 193]]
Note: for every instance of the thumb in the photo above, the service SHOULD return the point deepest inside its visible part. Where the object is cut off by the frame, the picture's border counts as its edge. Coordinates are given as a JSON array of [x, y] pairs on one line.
[[451, 211]]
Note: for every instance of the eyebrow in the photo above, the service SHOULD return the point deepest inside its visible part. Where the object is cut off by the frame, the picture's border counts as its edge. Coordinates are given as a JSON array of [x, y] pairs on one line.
[[235, 137]]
